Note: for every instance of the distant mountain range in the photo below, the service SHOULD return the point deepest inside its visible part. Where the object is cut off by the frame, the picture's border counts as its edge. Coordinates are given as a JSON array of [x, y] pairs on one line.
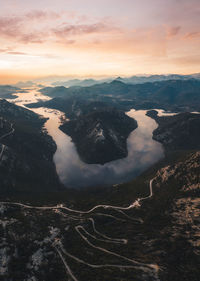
[[154, 78], [127, 80], [80, 83], [136, 79], [7, 91], [174, 95]]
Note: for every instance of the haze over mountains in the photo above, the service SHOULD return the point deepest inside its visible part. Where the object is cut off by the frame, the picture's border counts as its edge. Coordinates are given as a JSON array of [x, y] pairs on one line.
[[87, 82], [7, 91], [181, 95], [129, 80]]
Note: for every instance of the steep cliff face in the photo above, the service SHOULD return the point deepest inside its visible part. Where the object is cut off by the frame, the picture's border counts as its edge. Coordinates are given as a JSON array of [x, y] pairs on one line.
[[101, 136]]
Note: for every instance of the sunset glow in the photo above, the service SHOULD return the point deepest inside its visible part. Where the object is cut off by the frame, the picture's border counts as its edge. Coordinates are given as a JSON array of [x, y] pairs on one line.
[[82, 38]]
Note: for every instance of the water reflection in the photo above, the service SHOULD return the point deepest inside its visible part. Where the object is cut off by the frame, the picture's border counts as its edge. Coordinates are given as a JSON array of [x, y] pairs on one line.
[[143, 151]]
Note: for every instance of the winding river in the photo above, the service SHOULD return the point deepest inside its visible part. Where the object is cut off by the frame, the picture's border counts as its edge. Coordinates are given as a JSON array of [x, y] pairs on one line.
[[143, 151]]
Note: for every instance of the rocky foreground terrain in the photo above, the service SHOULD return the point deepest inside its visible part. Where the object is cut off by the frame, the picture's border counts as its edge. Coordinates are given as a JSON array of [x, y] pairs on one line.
[[100, 136], [155, 237], [24, 148]]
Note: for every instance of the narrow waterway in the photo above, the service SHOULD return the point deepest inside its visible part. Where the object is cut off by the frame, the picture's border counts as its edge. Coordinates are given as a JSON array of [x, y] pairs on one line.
[[143, 151]]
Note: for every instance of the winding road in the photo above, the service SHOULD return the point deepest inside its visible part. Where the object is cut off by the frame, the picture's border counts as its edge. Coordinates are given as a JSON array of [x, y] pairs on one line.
[[82, 219]]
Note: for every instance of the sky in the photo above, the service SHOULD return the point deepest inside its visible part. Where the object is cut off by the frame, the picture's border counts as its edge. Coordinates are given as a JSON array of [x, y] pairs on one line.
[[98, 38]]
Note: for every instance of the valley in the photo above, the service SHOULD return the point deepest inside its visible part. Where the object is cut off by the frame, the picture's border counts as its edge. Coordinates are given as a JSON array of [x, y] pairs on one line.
[[99, 140], [73, 172], [127, 219]]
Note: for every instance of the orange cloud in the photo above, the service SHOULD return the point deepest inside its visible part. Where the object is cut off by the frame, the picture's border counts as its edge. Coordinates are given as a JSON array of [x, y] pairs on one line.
[[49, 27], [192, 35], [173, 31], [42, 41], [81, 29], [21, 29], [9, 26], [41, 15]]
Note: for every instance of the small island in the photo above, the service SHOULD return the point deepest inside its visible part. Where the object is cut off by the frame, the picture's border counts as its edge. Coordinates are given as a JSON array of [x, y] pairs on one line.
[[100, 136]]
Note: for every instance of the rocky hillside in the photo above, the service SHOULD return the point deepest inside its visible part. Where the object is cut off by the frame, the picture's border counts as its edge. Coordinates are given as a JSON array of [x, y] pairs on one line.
[[184, 177], [100, 136], [178, 132], [157, 239], [186, 173], [24, 149]]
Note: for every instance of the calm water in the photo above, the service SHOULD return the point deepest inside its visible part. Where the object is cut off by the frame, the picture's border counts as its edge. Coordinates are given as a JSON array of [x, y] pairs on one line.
[[143, 151]]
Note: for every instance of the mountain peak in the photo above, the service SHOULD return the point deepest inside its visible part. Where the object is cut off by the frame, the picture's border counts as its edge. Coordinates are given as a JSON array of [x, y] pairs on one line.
[[116, 81]]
